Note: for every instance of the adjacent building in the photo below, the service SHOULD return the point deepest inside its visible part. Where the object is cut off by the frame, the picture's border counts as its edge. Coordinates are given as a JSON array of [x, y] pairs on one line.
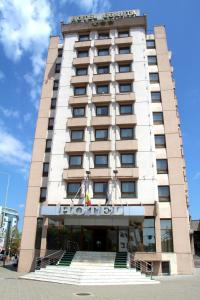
[[108, 170]]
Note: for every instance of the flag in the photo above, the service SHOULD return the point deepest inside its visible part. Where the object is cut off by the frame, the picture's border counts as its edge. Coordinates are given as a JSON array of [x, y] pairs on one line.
[[87, 199]]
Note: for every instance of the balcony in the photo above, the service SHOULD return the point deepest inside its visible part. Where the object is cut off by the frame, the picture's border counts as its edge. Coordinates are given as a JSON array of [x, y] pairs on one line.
[[101, 98], [79, 79], [100, 146], [101, 77], [125, 97], [102, 59], [124, 76], [75, 147], [81, 61], [124, 57], [77, 122], [84, 44], [73, 174], [100, 173], [126, 145], [124, 40], [103, 42], [73, 100], [125, 173], [101, 121], [126, 120]]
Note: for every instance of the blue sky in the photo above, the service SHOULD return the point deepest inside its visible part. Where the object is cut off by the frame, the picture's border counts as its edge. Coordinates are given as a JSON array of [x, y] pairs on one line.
[[25, 26]]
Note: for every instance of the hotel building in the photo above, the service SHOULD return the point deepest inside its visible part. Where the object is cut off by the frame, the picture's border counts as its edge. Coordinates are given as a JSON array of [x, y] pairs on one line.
[[108, 132]]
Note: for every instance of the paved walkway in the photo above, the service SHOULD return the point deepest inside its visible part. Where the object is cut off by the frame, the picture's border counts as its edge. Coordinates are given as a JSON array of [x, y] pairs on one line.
[[174, 288]]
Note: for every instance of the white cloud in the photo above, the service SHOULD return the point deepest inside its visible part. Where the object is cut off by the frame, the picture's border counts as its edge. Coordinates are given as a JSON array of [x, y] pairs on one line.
[[35, 88], [93, 6], [21, 205], [9, 113], [2, 76], [27, 117]]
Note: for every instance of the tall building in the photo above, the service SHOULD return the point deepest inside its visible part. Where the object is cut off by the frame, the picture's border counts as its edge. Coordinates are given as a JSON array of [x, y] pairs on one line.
[[108, 170]]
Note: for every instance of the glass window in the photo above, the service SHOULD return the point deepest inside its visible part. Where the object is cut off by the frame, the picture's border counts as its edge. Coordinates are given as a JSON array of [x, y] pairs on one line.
[[157, 118], [126, 133], [48, 145], [163, 193], [103, 70], [60, 52], [162, 166], [43, 194], [75, 161], [51, 123], [160, 141], [123, 33], [55, 85], [166, 235], [103, 35], [45, 169], [152, 60], [103, 52], [102, 89], [151, 44], [102, 110], [124, 68], [79, 91], [100, 189], [155, 97], [128, 189], [126, 109], [149, 240], [81, 71], [82, 53], [73, 188], [124, 50], [53, 103], [101, 160], [84, 37], [154, 77], [57, 68], [125, 87], [128, 159], [101, 134], [77, 135], [78, 112]]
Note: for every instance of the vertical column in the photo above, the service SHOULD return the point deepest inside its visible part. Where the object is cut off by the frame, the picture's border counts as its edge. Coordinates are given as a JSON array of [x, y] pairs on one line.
[[44, 237], [180, 220]]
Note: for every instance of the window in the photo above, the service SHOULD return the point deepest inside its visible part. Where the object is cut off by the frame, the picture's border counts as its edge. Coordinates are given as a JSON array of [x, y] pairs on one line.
[[103, 35], [126, 133], [164, 193], [124, 50], [149, 240], [152, 60], [128, 189], [124, 68], [73, 189], [45, 169], [43, 194], [125, 87], [81, 71], [103, 70], [123, 33], [75, 161], [78, 112], [101, 134], [166, 235], [60, 52], [155, 97], [84, 37], [55, 85], [160, 141], [157, 118], [102, 110], [57, 68], [83, 53], [128, 159], [77, 135], [48, 145], [103, 52], [126, 109], [154, 78], [53, 103], [79, 91], [162, 166], [151, 44], [101, 160], [51, 123], [102, 89], [100, 189]]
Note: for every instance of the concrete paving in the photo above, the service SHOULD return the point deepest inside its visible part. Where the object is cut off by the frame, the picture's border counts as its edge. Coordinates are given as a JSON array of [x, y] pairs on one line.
[[176, 287]]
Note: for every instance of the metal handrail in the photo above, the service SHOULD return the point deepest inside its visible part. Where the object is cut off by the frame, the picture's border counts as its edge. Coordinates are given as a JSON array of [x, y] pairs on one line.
[[51, 259], [141, 265]]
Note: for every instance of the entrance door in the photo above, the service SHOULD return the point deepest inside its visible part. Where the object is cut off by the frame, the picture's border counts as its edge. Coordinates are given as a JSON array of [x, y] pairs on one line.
[[99, 239]]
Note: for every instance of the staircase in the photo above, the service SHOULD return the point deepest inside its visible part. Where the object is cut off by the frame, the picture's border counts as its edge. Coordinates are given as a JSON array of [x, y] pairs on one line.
[[66, 259], [121, 260], [91, 268]]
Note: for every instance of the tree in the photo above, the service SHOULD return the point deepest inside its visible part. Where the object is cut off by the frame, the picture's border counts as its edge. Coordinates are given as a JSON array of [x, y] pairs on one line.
[[14, 241]]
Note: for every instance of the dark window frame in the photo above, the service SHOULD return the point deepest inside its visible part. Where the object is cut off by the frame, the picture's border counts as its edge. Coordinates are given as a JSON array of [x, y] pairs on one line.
[[47, 148], [81, 37], [60, 52], [150, 47], [125, 84], [168, 231], [43, 190], [50, 125], [159, 145], [125, 105], [57, 68], [154, 80], [103, 67], [100, 194], [71, 193], [99, 166], [75, 166], [127, 138], [79, 87], [78, 69], [128, 165], [164, 198], [76, 140], [104, 49], [159, 121], [128, 194], [45, 172], [102, 106], [78, 107], [123, 33], [103, 35], [121, 49], [152, 63], [125, 65], [155, 99], [82, 51], [101, 139], [53, 103], [100, 86], [164, 170], [56, 85]]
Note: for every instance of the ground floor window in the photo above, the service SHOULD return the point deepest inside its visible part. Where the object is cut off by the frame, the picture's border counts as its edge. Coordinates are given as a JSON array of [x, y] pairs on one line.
[[166, 235]]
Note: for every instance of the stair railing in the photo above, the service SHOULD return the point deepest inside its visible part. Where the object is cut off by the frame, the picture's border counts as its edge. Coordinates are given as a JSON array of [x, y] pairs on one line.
[[51, 259], [141, 265]]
